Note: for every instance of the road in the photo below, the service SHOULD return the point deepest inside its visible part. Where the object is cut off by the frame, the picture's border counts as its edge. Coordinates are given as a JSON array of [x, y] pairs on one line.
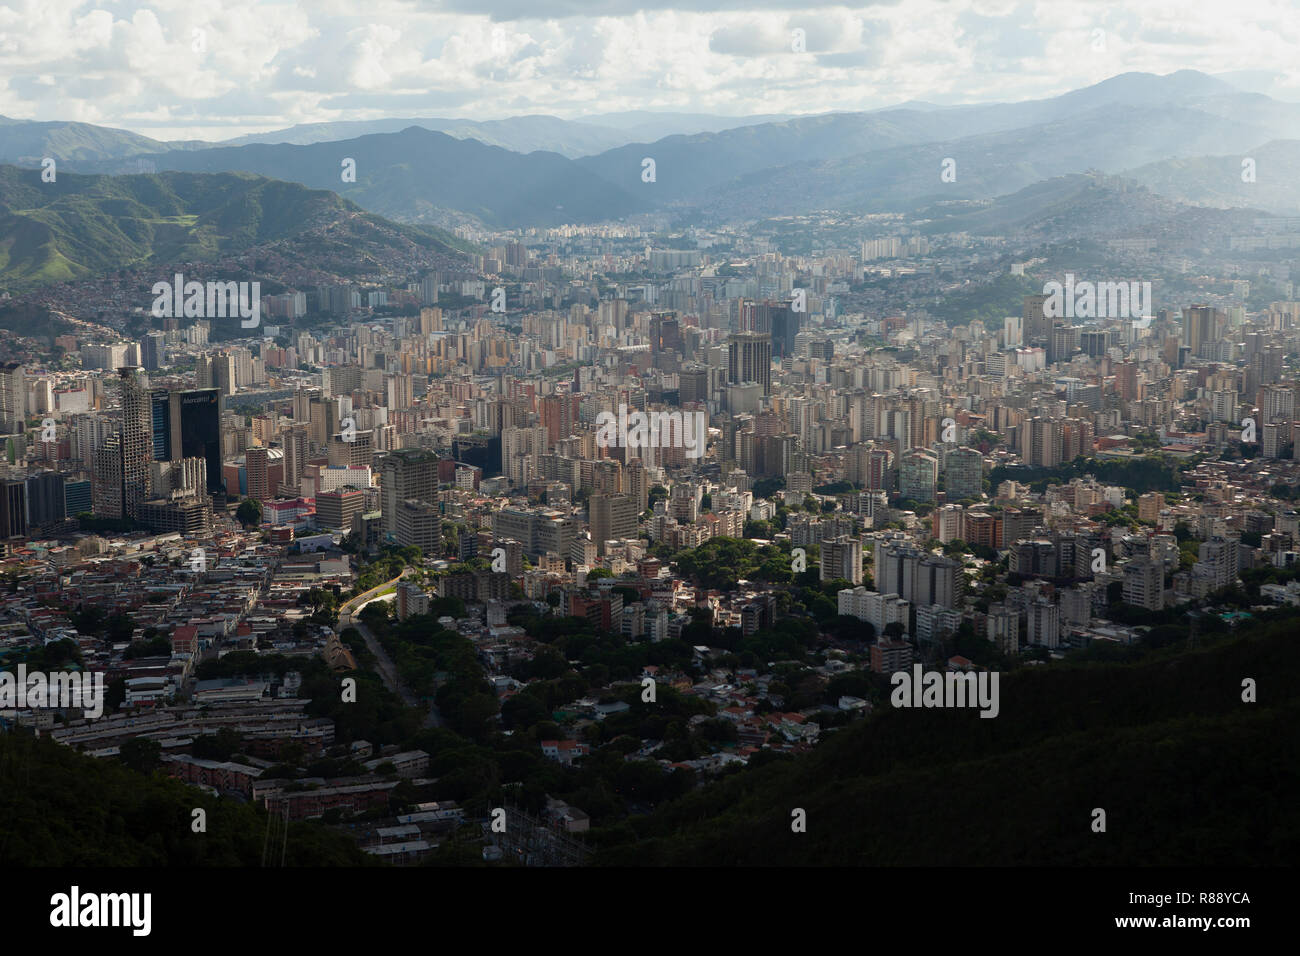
[[349, 616]]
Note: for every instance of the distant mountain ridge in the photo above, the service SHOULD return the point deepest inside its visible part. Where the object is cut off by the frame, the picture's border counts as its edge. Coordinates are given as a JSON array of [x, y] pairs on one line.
[[984, 165], [878, 160], [412, 174], [1267, 177], [28, 142], [520, 134]]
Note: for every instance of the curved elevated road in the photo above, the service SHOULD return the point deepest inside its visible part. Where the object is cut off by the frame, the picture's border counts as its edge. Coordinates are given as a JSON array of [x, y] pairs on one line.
[[349, 617]]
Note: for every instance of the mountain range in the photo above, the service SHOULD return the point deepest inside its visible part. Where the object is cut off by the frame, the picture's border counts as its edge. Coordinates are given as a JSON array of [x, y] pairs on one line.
[[1184, 136], [412, 174], [522, 134]]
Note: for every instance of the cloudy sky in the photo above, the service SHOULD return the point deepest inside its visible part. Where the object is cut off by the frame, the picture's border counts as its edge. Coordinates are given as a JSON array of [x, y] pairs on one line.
[[214, 69]]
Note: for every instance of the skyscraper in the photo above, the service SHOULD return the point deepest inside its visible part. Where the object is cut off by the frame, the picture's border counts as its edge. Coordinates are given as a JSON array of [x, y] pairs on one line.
[[559, 415], [749, 359], [45, 499], [611, 517], [107, 487], [406, 475], [152, 351], [1044, 443], [187, 424], [918, 473], [255, 464], [1036, 325], [1061, 344], [1201, 325], [13, 508], [777, 320], [665, 333], [963, 474], [842, 558], [296, 442], [13, 396], [136, 438]]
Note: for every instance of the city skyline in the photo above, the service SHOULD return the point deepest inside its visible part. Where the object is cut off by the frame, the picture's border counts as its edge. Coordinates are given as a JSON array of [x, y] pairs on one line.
[[746, 475]]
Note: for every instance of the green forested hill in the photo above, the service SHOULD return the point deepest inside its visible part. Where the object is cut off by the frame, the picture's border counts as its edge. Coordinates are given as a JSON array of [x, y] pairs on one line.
[[61, 808], [81, 225], [1187, 773]]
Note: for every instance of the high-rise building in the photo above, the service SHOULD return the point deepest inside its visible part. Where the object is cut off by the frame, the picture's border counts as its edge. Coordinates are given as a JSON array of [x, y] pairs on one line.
[[255, 462], [1276, 403], [187, 424], [842, 558], [1126, 381], [13, 397], [78, 497], [916, 575], [216, 371], [408, 474], [107, 502], [1144, 584], [665, 333], [1095, 342], [1201, 326], [189, 515], [13, 508], [889, 656], [398, 390], [693, 383], [1036, 323], [135, 439], [918, 474], [1013, 332], [963, 474], [559, 415], [1044, 623], [1002, 627], [152, 351], [351, 449], [296, 442], [184, 477], [611, 517], [947, 523], [1061, 343], [1217, 561], [1043, 447], [418, 524], [880, 470], [778, 320], [45, 499], [336, 509], [749, 359]]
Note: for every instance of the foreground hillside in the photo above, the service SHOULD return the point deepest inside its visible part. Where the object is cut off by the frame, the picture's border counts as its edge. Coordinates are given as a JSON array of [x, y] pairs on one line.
[[61, 808], [1187, 773]]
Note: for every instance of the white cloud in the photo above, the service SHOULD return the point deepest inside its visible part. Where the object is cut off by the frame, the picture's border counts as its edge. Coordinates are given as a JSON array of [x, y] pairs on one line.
[[269, 64]]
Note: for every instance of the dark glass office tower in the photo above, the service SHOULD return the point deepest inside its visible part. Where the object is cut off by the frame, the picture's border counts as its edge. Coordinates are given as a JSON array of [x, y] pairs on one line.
[[45, 499], [13, 508], [160, 408], [187, 424], [480, 449]]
